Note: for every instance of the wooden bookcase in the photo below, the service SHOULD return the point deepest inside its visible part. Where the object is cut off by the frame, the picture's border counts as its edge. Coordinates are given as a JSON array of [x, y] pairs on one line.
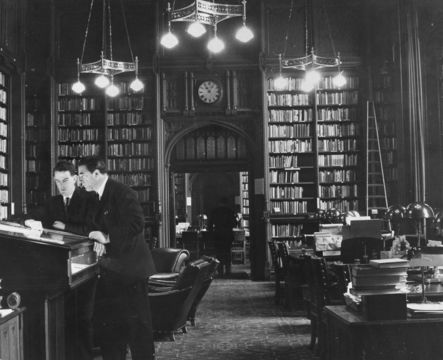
[[118, 129], [5, 204], [313, 151]]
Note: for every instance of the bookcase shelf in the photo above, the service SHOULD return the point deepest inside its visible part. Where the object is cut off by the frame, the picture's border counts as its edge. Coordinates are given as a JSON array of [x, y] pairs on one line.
[[314, 142], [117, 129]]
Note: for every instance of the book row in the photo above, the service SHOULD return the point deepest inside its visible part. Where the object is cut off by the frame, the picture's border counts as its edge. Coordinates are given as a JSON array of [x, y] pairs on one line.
[[126, 103], [4, 196], [131, 164], [337, 175], [284, 176], [333, 191], [338, 160], [286, 230], [134, 179], [3, 212], [78, 150], [2, 162], [337, 98], [341, 205], [288, 99], [3, 129], [124, 118], [337, 144], [349, 129], [290, 131], [73, 134], [283, 161], [3, 145], [78, 119], [78, 104], [290, 145], [289, 207], [3, 96], [290, 115], [2, 79], [138, 133], [130, 149], [338, 114], [3, 179], [143, 195], [286, 192], [2, 113]]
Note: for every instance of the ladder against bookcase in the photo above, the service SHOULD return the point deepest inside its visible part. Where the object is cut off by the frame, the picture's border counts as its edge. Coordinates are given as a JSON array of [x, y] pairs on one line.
[[118, 129], [313, 151]]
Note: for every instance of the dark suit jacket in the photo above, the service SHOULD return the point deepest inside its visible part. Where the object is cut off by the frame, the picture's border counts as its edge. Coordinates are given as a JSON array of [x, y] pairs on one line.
[[78, 217], [121, 216]]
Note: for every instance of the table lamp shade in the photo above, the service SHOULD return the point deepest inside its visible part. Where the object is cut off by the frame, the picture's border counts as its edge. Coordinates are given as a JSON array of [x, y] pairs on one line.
[[419, 210], [396, 213]]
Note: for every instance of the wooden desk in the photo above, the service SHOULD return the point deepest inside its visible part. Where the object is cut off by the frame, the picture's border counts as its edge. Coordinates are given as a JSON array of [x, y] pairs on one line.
[[350, 337], [11, 336]]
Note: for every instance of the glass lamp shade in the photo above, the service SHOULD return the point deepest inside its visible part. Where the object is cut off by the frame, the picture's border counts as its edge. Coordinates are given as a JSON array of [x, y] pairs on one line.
[[244, 34], [339, 80], [419, 210], [112, 90], [101, 81], [281, 83], [320, 214], [352, 213], [307, 86], [136, 85], [438, 218], [196, 29], [78, 87], [396, 212], [216, 45], [169, 40]]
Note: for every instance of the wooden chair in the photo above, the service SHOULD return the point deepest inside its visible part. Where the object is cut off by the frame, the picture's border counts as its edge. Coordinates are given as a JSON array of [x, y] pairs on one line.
[[321, 293], [279, 270]]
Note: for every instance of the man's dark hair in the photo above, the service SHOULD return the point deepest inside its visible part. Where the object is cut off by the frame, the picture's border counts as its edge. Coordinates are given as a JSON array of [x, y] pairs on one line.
[[93, 163], [65, 165]]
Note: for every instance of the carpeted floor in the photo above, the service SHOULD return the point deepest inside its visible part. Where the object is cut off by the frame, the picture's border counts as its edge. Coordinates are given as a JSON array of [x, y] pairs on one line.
[[238, 320]]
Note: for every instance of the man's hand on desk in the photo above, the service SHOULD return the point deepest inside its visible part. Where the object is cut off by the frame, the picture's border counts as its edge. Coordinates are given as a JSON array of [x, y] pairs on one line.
[[99, 249], [34, 224], [59, 225]]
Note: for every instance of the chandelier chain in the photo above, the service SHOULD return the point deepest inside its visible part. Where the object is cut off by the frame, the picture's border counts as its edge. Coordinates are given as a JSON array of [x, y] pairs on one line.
[[328, 24], [87, 31], [110, 30], [125, 23], [285, 45]]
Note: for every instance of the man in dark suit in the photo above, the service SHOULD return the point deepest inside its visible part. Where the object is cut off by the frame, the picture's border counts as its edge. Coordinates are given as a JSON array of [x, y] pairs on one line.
[[70, 210], [122, 315]]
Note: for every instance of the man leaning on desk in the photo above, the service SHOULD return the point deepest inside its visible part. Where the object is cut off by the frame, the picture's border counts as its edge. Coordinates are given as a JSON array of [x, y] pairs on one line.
[[71, 210]]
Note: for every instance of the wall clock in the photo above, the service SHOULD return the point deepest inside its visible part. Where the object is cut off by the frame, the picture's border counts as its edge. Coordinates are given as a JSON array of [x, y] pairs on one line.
[[209, 91]]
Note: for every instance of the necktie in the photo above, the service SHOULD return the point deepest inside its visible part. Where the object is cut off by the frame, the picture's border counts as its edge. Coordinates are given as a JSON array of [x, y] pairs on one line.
[[67, 204]]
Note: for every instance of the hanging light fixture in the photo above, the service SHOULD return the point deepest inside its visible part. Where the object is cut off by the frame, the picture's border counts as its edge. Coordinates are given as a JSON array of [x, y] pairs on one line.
[[106, 68], [311, 63], [200, 13], [280, 82]]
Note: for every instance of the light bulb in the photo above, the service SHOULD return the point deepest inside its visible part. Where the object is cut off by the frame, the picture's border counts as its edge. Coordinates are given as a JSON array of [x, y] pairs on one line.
[[244, 34], [136, 85], [215, 45], [280, 83], [339, 80], [78, 87], [112, 90], [306, 85], [312, 77], [196, 29], [101, 81], [169, 40]]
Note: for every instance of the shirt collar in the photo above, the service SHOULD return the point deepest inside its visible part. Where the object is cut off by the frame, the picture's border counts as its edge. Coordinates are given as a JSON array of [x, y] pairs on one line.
[[101, 189]]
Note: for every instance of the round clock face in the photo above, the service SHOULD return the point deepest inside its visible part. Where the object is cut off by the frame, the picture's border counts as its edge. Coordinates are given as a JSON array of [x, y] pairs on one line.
[[209, 91]]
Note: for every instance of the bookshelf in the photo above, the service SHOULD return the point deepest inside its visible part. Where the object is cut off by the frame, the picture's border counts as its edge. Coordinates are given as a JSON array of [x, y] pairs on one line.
[[118, 129], [38, 172], [385, 112], [313, 152], [5, 205], [244, 199]]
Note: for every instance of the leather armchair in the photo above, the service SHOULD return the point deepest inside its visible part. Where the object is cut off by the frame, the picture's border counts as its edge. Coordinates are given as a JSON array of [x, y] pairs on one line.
[[171, 302], [169, 262]]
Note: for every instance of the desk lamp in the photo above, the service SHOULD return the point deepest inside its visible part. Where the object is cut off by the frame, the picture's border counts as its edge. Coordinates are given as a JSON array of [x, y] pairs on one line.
[[333, 215], [395, 215], [418, 212]]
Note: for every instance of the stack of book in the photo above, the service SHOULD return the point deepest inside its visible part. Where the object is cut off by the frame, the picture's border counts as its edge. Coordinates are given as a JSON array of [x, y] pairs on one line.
[[380, 276], [425, 310]]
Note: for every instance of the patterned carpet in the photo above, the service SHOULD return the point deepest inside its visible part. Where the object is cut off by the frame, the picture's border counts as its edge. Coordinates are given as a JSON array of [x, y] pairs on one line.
[[238, 320]]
